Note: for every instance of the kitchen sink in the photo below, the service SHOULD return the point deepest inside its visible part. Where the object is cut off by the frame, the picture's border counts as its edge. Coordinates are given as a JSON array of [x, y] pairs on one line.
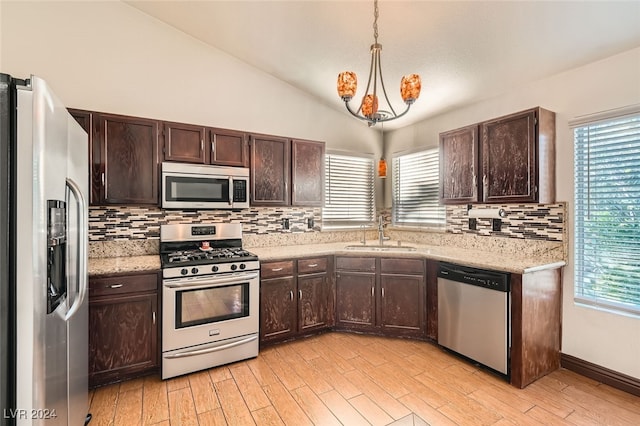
[[380, 248]]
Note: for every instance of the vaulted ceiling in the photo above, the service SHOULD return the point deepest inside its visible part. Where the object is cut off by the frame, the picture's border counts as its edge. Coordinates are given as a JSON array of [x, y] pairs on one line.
[[464, 51]]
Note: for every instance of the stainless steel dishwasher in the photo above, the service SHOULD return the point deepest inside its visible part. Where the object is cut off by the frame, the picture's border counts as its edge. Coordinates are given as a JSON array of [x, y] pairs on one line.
[[474, 314]]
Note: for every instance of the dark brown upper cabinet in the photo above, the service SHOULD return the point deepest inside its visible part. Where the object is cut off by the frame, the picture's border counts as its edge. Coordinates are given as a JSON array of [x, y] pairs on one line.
[[228, 148], [518, 158], [459, 166], [128, 160], [184, 143], [276, 162], [85, 119], [307, 171], [270, 170], [516, 154], [187, 143]]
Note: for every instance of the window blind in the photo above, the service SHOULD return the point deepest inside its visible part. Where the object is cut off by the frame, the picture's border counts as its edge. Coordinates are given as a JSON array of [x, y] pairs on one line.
[[349, 197], [607, 212], [415, 189]]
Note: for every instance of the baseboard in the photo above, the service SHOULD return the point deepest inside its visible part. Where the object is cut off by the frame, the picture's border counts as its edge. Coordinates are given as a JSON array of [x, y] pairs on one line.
[[601, 374]]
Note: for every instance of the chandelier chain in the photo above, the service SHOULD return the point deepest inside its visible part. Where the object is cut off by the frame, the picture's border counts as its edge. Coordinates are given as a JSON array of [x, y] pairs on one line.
[[375, 21]]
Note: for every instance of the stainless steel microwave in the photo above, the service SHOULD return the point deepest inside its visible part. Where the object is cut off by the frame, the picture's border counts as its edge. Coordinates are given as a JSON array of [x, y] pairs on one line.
[[195, 186]]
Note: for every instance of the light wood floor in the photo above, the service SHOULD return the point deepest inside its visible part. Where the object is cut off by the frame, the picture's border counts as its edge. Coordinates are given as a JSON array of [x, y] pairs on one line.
[[339, 378]]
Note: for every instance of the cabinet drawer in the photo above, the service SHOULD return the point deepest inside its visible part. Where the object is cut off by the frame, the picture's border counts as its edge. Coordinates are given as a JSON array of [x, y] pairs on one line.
[[364, 264], [276, 269], [311, 266], [402, 266], [121, 284]]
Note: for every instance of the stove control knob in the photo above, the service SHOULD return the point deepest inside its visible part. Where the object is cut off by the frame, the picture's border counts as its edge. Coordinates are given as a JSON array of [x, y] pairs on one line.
[[184, 271], [214, 269], [234, 267], [243, 266], [194, 270]]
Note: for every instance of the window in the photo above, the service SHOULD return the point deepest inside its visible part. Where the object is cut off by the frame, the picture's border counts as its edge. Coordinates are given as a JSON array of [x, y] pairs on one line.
[[607, 212], [349, 197], [415, 189]]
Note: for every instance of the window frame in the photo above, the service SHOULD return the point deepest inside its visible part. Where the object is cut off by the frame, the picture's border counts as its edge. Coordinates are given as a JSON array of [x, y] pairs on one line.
[[432, 175], [346, 223], [587, 278]]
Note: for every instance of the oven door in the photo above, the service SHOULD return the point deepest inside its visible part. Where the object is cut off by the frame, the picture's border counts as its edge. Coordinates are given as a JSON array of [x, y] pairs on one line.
[[200, 310]]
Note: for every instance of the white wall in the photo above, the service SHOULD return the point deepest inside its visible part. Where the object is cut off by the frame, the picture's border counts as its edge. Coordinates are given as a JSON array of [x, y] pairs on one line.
[[606, 339], [108, 56]]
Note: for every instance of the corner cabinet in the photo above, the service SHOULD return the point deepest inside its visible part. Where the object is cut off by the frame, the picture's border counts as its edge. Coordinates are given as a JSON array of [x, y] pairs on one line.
[[516, 154], [381, 295], [286, 172], [123, 327], [295, 298]]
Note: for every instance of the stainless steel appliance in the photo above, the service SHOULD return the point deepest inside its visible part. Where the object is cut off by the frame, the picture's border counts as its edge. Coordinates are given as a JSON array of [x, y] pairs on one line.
[[43, 241], [474, 314], [210, 292], [194, 186]]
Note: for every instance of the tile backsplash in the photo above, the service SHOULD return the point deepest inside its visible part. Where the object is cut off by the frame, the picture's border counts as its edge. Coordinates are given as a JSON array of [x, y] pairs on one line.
[[124, 222], [542, 222]]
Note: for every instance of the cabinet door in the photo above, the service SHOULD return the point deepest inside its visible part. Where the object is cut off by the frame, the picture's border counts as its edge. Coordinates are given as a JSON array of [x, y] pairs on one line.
[[85, 119], [307, 173], [277, 308], [123, 337], [355, 300], [228, 148], [509, 159], [270, 171], [402, 304], [184, 143], [459, 166], [313, 301], [130, 159]]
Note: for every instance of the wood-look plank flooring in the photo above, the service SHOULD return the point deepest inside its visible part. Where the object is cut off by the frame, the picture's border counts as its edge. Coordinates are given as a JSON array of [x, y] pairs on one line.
[[350, 379]]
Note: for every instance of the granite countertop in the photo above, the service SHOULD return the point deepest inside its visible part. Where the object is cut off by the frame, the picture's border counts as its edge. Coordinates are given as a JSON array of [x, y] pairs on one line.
[[468, 257], [114, 265], [474, 258]]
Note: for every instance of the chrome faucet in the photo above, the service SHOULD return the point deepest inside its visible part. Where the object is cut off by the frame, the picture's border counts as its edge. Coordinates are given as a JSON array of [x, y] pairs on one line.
[[381, 236], [364, 235]]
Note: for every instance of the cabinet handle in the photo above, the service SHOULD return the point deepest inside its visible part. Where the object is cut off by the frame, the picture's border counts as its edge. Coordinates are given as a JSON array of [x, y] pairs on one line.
[[382, 291], [276, 269], [102, 177], [153, 315], [300, 294], [290, 294], [213, 145], [313, 265], [201, 145], [116, 285], [372, 292]]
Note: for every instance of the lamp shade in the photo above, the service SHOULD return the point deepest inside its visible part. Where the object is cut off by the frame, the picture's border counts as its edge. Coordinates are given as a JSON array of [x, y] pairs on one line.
[[347, 85], [410, 88], [382, 168], [369, 105]]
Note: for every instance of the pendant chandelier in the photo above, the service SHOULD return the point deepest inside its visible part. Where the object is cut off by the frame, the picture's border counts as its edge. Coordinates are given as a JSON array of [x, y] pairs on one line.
[[369, 107]]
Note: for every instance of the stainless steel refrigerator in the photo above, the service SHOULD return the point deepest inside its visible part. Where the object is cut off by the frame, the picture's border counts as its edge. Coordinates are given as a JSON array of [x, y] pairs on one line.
[[43, 258]]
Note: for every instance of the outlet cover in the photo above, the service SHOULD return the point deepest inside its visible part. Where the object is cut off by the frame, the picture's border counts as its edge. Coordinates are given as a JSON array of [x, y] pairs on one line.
[[285, 223], [496, 224], [310, 223], [473, 223]]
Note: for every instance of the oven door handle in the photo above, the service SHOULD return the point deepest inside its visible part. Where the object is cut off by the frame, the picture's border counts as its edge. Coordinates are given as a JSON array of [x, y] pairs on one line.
[[209, 350], [209, 281]]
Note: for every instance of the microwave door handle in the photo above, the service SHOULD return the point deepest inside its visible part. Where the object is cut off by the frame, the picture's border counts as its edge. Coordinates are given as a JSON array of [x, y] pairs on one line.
[[231, 190]]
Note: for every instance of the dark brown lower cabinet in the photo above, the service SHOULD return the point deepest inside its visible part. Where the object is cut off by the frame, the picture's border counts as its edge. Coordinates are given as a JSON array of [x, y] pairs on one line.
[[384, 295], [295, 298], [123, 327]]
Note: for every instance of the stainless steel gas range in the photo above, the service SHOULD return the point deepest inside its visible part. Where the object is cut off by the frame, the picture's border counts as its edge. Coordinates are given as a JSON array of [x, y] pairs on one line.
[[210, 291]]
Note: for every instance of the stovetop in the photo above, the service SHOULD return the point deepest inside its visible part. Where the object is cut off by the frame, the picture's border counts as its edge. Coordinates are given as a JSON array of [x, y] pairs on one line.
[[200, 256]]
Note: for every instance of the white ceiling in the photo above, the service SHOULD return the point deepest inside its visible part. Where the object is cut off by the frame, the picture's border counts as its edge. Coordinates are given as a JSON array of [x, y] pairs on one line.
[[464, 51]]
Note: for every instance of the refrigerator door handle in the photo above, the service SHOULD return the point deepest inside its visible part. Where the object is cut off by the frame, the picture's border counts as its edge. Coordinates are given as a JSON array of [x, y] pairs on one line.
[[82, 248]]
